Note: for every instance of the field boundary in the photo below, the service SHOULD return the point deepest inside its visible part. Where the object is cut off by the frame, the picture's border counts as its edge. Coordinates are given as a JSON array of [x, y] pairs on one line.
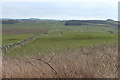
[[6, 48]]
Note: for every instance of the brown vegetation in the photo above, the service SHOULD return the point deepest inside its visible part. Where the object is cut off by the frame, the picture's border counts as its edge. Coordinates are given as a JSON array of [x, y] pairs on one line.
[[24, 31], [94, 62]]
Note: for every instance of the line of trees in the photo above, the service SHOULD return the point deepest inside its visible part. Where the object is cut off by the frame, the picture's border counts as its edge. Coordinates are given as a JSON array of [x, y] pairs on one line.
[[9, 21], [73, 22], [108, 22]]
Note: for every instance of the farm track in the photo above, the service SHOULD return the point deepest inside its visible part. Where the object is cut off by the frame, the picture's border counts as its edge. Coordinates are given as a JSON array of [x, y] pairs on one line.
[[95, 62]]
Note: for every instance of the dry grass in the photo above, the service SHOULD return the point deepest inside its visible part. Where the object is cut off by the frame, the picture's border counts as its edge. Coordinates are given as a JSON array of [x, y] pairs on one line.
[[0, 63], [95, 62]]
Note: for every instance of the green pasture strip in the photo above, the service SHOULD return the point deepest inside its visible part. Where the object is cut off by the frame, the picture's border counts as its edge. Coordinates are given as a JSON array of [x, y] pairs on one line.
[[57, 24], [7, 39], [84, 28], [69, 41], [41, 24]]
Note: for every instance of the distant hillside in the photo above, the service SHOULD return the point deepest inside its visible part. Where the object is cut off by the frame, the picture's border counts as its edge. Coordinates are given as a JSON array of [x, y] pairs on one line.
[[108, 22], [33, 19], [9, 21]]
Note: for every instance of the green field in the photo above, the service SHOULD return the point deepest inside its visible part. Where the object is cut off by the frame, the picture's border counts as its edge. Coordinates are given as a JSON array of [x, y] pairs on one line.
[[28, 25], [73, 37], [7, 39]]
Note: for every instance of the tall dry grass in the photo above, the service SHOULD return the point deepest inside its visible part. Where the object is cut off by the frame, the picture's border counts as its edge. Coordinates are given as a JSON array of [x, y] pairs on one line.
[[95, 62]]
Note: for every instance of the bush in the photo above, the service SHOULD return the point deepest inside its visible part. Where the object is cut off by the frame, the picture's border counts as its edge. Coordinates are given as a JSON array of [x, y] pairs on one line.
[[73, 22]]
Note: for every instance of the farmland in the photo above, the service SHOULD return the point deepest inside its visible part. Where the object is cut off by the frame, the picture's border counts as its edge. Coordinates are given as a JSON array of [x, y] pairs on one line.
[[62, 40]]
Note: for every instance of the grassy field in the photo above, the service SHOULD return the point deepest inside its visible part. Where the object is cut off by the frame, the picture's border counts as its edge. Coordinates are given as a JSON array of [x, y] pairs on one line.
[[28, 25], [69, 41], [7, 39], [72, 37]]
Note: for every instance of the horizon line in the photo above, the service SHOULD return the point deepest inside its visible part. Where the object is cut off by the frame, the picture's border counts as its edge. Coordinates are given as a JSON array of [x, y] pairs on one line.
[[57, 19]]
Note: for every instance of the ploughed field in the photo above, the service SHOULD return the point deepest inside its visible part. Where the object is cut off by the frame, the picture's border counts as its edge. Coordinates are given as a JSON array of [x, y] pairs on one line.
[[87, 46]]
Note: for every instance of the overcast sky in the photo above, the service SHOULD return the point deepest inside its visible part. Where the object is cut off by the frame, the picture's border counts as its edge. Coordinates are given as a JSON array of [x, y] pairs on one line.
[[63, 9]]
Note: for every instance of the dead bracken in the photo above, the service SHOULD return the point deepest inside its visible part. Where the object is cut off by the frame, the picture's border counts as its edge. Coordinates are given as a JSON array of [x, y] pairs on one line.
[[96, 62]]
